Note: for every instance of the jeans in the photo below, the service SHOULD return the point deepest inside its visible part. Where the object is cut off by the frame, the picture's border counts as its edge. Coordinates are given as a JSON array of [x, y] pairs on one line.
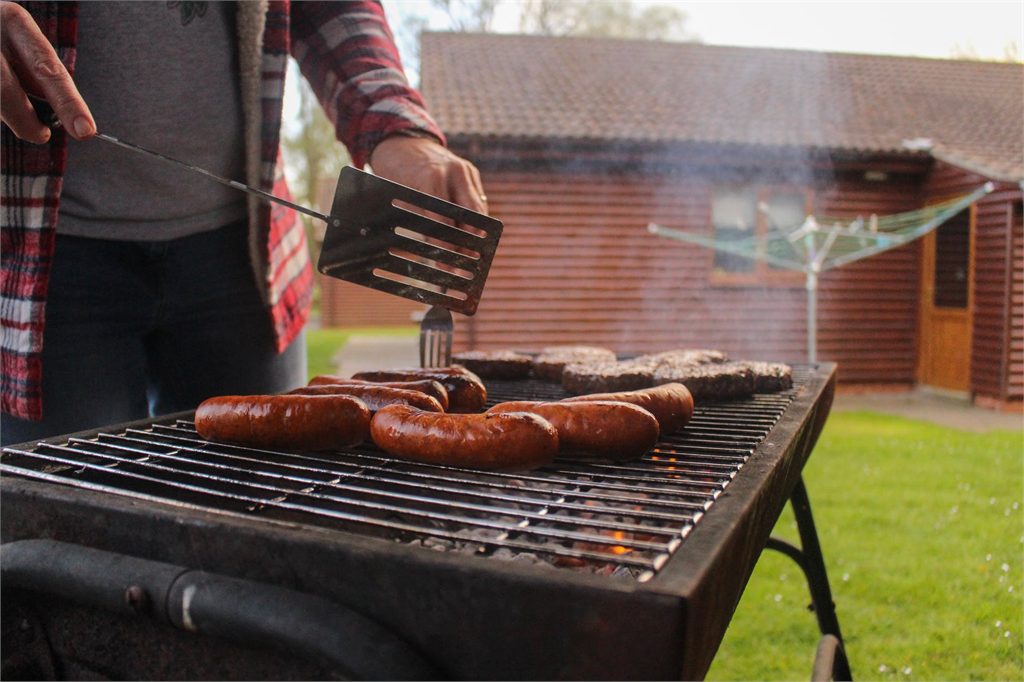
[[139, 329]]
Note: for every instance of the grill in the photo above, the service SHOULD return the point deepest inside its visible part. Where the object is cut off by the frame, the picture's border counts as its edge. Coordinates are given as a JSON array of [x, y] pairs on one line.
[[576, 570]]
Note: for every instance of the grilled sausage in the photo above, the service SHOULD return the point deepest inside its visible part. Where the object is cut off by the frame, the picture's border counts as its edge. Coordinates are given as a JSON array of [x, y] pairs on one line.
[[671, 404], [375, 397], [610, 430], [494, 442], [288, 422], [466, 393], [432, 388]]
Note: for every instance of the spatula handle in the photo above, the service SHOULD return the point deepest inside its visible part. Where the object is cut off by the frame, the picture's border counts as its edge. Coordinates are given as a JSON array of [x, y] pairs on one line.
[[44, 112], [48, 117]]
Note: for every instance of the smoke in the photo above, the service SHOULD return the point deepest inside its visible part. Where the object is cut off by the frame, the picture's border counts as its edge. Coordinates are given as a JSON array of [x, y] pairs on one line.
[[577, 263]]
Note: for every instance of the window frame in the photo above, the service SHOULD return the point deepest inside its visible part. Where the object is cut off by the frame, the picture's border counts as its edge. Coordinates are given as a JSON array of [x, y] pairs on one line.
[[763, 275]]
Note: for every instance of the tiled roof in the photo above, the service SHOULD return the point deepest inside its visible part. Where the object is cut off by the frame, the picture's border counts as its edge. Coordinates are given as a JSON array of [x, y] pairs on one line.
[[633, 91]]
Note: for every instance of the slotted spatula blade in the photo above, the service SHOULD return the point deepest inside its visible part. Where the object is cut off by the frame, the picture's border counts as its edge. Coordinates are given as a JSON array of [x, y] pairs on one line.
[[375, 243]]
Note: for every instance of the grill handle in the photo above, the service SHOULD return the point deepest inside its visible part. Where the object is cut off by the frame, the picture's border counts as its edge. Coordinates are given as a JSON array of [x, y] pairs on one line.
[[208, 603]]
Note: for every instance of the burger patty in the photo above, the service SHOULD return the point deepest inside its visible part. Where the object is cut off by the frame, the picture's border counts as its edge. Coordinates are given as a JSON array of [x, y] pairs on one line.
[[606, 377], [548, 365], [496, 364], [707, 374], [712, 382]]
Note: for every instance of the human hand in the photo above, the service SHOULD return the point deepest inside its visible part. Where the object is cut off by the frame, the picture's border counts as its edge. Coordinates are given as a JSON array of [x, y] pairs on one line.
[[29, 64], [425, 165]]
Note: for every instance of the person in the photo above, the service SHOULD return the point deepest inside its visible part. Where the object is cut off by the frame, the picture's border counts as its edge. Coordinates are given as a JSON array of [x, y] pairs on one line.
[[130, 288]]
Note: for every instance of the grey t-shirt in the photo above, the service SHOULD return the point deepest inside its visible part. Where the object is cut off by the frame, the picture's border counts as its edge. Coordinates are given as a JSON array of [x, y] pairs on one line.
[[163, 75]]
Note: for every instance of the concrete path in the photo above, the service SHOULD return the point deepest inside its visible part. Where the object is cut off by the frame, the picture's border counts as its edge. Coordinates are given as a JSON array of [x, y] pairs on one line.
[[944, 410], [376, 352]]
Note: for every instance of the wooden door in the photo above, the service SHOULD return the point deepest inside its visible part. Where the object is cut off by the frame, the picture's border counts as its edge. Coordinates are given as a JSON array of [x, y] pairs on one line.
[[947, 279]]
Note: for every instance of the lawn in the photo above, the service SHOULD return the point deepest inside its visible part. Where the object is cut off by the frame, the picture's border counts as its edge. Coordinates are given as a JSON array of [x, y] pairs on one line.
[[922, 529]]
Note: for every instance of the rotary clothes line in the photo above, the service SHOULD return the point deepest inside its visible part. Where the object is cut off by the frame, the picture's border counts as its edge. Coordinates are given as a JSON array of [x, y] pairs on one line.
[[823, 243]]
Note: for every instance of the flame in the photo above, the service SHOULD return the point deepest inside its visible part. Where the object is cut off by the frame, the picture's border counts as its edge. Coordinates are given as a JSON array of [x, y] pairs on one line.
[[619, 549]]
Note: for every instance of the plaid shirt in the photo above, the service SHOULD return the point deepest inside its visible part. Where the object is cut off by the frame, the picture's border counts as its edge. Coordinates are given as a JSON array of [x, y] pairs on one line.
[[344, 49]]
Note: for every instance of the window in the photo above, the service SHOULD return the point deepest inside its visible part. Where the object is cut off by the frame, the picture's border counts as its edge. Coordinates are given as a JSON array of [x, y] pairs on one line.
[[953, 262], [785, 212], [759, 212], [734, 215]]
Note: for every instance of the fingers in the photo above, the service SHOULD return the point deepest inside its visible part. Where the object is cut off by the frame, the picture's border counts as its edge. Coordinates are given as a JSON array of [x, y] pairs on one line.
[[425, 165], [464, 186], [15, 109], [33, 66], [479, 185]]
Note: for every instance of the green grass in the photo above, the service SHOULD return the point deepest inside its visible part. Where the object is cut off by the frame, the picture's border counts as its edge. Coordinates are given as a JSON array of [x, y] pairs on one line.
[[322, 344], [922, 528]]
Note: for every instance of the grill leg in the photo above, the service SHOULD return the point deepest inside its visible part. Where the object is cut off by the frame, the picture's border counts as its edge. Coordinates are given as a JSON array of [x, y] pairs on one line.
[[811, 561]]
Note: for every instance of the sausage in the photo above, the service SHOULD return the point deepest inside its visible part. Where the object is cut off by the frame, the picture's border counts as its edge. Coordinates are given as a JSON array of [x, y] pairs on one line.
[[287, 422], [375, 396], [466, 393], [432, 388], [671, 404], [494, 442], [610, 430]]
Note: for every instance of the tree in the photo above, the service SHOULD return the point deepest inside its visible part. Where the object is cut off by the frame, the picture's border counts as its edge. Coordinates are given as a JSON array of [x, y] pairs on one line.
[[1011, 53], [468, 16], [606, 19]]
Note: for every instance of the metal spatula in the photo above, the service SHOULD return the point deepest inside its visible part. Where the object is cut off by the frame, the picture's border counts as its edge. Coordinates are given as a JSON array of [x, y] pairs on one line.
[[384, 242]]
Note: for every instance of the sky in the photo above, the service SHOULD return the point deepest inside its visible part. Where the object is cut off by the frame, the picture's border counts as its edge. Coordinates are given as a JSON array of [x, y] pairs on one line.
[[895, 27], [921, 29]]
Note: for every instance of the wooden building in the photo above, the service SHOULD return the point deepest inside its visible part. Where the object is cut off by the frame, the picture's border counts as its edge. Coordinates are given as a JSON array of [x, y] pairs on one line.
[[584, 142]]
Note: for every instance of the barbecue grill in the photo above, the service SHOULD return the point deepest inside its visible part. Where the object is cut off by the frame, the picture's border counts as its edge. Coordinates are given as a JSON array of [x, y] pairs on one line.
[[358, 564]]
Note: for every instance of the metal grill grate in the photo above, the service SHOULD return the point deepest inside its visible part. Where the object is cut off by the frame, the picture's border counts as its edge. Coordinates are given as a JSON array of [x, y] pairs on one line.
[[623, 520]]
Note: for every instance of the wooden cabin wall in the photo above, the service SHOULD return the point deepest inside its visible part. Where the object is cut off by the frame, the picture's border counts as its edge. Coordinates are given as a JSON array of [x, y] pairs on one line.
[[997, 351], [868, 315], [1015, 352], [576, 264], [343, 304]]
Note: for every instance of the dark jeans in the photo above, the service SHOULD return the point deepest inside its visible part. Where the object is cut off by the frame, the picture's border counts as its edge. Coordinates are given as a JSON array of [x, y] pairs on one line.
[[136, 329]]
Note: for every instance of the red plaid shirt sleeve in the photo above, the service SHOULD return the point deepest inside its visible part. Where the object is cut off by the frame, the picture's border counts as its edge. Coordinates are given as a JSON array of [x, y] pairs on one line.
[[347, 53]]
